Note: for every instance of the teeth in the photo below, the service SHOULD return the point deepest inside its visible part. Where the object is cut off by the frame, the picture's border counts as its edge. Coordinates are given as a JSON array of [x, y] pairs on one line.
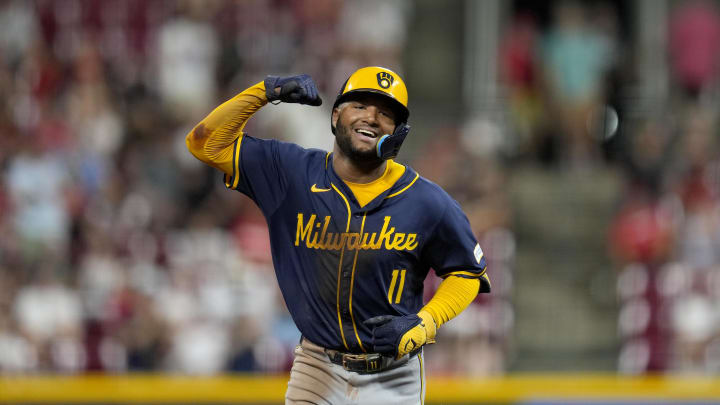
[[366, 132]]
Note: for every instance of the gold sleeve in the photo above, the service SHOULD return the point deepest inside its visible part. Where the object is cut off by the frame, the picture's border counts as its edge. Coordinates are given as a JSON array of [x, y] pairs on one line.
[[213, 140], [452, 297]]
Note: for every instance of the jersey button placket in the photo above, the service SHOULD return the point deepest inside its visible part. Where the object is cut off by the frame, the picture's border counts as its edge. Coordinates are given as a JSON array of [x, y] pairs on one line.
[[345, 282]]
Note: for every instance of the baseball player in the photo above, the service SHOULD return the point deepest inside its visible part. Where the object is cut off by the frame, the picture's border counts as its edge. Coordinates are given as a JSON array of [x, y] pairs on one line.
[[353, 235]]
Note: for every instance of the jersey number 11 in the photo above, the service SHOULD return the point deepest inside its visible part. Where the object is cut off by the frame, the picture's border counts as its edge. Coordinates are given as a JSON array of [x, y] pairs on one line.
[[400, 285]]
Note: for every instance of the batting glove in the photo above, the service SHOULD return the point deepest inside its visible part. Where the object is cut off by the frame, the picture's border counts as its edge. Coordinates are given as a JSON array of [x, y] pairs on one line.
[[399, 335], [388, 146], [292, 89]]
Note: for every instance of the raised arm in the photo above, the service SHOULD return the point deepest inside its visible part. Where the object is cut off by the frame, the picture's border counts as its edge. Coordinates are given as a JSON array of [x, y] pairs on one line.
[[213, 138]]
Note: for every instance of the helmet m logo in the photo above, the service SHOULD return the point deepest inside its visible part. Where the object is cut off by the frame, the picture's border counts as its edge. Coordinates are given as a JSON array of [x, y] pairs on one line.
[[384, 79]]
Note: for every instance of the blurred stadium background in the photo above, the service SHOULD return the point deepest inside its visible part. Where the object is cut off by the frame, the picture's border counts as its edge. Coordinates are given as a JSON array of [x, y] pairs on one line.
[[580, 137]]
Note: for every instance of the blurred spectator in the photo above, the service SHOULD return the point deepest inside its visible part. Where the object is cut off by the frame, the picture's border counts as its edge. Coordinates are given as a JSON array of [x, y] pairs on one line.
[[694, 42], [575, 56], [642, 230], [374, 31], [18, 30], [187, 51], [699, 192], [37, 181], [17, 354], [50, 315], [519, 68], [98, 129]]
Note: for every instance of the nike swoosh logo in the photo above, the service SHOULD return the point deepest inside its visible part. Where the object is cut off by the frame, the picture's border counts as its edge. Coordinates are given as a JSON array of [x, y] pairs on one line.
[[409, 349], [315, 189]]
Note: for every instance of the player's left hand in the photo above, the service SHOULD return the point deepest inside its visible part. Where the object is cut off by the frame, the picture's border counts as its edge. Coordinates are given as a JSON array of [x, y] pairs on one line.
[[399, 335], [292, 89]]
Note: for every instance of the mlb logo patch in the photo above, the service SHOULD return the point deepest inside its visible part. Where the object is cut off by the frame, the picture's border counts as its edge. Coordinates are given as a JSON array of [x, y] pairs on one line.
[[478, 253]]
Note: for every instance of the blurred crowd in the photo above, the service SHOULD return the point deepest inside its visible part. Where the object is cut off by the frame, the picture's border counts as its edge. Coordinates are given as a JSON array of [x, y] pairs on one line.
[[120, 252], [570, 77]]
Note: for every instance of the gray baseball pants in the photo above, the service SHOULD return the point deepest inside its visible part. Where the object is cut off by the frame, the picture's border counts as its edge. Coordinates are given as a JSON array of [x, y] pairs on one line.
[[314, 379]]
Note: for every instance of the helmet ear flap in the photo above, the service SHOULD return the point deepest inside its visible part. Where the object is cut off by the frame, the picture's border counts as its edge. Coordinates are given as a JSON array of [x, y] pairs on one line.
[[388, 146]]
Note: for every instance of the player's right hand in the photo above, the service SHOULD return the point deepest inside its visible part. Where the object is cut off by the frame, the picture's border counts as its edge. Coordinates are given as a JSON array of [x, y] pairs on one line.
[[292, 89]]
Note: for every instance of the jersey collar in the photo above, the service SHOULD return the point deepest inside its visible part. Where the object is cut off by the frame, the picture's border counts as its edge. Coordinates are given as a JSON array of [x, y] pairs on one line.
[[401, 185]]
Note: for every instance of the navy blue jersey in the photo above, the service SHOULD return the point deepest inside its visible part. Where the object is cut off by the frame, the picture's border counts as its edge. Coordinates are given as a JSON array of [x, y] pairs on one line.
[[339, 264]]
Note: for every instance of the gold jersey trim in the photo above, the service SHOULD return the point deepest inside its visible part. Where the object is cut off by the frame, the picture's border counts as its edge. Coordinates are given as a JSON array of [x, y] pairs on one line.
[[422, 379], [339, 274], [233, 181], [466, 274], [352, 282], [404, 188]]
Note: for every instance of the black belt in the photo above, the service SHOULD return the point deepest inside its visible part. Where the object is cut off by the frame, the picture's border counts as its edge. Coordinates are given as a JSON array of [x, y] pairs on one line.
[[366, 363], [363, 363]]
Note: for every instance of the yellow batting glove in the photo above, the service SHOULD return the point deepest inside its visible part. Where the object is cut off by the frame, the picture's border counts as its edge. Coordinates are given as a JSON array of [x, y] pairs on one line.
[[422, 334]]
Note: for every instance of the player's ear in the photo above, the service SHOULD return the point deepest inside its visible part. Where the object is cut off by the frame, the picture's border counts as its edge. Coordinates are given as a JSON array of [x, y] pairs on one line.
[[335, 116]]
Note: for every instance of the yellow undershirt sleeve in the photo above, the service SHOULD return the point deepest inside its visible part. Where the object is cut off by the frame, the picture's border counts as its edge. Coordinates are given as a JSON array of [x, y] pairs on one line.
[[452, 297], [212, 140]]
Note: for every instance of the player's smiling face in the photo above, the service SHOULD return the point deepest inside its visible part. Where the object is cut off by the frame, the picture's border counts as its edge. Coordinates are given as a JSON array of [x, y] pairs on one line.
[[360, 122]]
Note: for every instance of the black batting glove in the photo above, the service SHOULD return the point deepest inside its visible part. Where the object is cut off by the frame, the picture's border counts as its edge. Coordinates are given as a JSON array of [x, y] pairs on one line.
[[292, 89]]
